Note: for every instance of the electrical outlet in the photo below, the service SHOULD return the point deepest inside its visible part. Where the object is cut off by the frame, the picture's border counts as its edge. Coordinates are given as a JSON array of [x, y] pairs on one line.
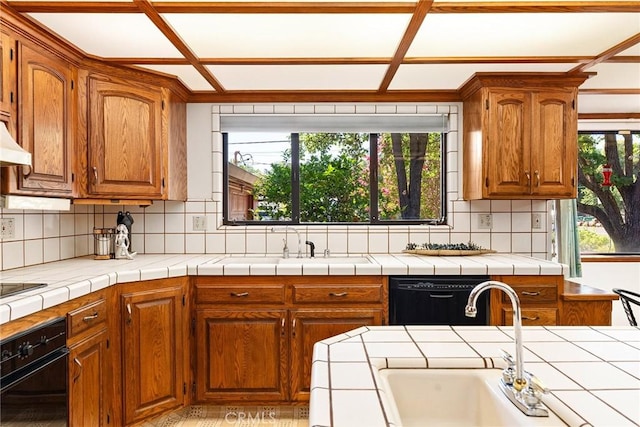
[[536, 221], [8, 228], [485, 221], [199, 223]]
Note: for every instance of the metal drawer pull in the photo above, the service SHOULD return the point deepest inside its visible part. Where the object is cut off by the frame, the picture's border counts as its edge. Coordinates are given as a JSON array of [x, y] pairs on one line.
[[77, 362], [441, 296], [530, 294], [239, 294], [282, 327], [93, 316], [129, 311], [537, 174], [338, 294], [530, 318], [293, 327], [95, 175]]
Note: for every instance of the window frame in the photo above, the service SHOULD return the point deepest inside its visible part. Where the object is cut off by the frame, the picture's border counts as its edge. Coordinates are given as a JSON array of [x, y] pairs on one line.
[[373, 188], [607, 256]]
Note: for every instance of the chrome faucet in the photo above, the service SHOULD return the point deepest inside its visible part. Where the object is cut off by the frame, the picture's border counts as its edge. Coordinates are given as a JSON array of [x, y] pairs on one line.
[[286, 229], [521, 387]]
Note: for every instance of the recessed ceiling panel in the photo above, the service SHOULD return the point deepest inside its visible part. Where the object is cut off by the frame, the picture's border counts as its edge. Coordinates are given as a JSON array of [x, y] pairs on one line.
[[110, 34], [191, 78], [520, 34], [588, 103], [452, 76], [614, 76], [299, 77], [290, 35]]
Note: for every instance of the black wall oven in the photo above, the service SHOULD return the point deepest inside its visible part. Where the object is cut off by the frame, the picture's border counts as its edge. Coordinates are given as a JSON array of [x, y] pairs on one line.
[[33, 377], [435, 300]]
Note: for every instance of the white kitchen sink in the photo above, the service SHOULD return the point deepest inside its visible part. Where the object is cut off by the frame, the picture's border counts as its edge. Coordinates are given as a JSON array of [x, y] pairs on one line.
[[296, 261], [248, 260], [453, 397], [329, 260]]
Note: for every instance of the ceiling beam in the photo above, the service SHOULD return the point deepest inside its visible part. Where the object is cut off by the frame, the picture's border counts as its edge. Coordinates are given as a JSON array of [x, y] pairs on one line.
[[422, 8], [373, 60], [146, 7], [327, 7], [238, 96], [620, 47]]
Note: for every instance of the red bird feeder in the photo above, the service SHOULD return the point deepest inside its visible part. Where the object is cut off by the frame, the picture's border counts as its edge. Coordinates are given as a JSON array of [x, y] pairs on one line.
[[606, 175]]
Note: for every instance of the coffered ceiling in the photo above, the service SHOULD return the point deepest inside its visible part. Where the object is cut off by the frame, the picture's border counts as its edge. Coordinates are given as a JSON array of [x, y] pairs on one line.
[[339, 50]]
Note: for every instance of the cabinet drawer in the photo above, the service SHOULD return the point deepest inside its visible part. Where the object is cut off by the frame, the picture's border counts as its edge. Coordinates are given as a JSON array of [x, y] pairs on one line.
[[240, 294], [533, 316], [534, 294], [86, 317], [338, 294]]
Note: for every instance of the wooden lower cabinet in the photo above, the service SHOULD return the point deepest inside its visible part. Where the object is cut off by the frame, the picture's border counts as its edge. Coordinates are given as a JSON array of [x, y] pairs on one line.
[[254, 336], [89, 369], [154, 348], [309, 326], [241, 355], [539, 300], [87, 405]]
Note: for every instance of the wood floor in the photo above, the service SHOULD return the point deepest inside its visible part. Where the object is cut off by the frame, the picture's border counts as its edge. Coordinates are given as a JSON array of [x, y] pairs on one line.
[[235, 416]]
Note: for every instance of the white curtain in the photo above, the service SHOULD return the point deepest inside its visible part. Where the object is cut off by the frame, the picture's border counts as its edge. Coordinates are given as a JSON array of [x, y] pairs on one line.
[[567, 236]]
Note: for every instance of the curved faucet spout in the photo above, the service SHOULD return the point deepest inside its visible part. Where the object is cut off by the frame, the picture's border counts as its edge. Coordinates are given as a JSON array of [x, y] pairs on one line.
[[471, 310]]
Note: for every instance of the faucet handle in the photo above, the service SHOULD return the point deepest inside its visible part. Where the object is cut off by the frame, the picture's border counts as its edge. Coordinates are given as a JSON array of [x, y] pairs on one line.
[[535, 384], [507, 358]]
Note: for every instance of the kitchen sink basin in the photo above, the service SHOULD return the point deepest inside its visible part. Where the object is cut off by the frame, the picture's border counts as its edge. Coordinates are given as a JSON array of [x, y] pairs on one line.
[[295, 261], [329, 260], [248, 260], [453, 397]]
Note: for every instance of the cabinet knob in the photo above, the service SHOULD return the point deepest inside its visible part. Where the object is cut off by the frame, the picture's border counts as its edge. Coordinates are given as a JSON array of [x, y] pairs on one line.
[[537, 174], [530, 294], [95, 175], [239, 294], [338, 294], [528, 175], [93, 316], [26, 170]]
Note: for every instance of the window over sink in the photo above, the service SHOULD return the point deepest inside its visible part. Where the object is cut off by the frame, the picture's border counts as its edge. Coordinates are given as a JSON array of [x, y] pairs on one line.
[[323, 173]]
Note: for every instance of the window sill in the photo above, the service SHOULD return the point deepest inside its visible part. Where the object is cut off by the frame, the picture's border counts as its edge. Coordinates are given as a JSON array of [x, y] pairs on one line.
[[610, 258]]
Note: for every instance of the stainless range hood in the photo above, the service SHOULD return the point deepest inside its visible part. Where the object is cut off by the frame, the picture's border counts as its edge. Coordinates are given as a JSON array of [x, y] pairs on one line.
[[10, 152]]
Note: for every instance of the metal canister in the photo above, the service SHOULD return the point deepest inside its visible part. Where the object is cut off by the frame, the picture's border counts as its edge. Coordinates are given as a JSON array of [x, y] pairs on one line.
[[103, 242]]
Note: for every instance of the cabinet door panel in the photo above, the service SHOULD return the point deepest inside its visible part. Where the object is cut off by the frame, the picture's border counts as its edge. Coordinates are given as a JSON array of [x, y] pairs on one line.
[[46, 123], [152, 352], [311, 326], [554, 158], [508, 143], [7, 73], [87, 366], [241, 355], [125, 135]]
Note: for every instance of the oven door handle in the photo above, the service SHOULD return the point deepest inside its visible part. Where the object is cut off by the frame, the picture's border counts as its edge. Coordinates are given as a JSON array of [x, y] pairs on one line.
[[15, 377], [440, 295]]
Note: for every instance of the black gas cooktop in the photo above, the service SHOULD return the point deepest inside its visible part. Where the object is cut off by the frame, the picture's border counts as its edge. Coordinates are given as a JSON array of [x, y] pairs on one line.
[[7, 289]]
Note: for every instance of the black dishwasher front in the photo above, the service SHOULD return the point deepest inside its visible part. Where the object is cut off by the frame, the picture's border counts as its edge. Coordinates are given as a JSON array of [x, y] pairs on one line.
[[435, 300]]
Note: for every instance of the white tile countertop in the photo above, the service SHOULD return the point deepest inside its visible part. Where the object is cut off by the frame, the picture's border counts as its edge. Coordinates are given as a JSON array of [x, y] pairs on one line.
[[76, 277], [593, 372]]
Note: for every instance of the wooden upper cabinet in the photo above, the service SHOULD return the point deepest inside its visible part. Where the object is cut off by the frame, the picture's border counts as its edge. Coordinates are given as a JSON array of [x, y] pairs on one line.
[[125, 147], [520, 136], [131, 140], [45, 129]]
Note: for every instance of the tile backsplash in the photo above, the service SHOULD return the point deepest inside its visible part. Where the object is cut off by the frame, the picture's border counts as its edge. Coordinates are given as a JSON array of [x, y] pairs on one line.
[[167, 227]]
